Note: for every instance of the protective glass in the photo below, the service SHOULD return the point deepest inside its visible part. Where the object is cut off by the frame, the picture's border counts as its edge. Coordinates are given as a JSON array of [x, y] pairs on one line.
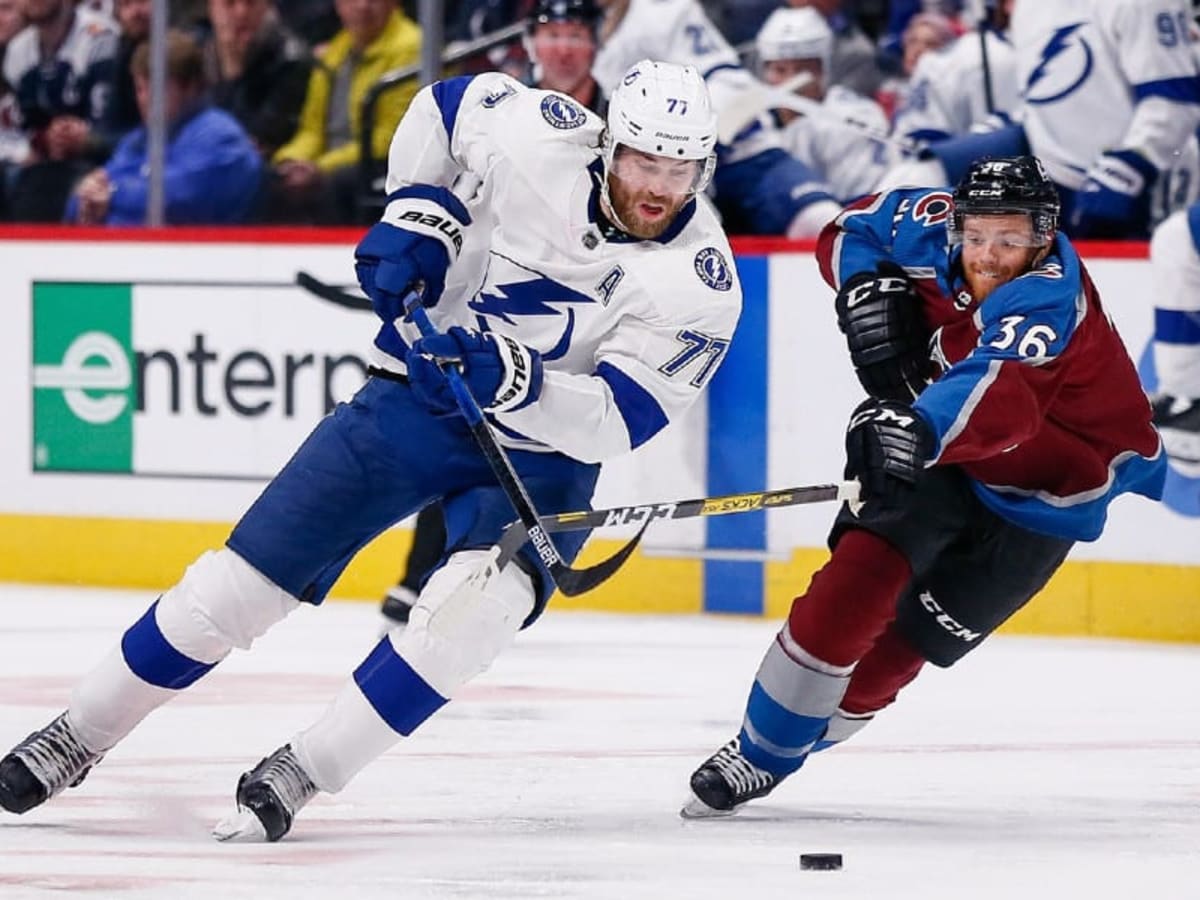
[[978, 231]]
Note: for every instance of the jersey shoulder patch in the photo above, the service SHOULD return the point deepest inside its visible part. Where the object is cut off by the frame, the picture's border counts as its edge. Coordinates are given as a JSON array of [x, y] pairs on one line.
[[714, 271], [562, 113]]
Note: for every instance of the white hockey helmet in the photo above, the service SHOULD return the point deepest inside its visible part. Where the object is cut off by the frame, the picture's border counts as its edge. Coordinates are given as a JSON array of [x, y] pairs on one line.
[[664, 109], [795, 33]]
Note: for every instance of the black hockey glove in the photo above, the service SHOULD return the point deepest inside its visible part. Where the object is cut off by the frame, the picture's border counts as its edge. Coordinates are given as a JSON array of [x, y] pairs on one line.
[[880, 314], [887, 446]]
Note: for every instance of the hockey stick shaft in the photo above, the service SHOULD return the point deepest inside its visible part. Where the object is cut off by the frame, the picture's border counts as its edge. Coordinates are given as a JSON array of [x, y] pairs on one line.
[[571, 582], [643, 514]]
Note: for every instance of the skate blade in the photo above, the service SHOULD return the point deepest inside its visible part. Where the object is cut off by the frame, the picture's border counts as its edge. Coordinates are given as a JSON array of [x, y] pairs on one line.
[[695, 808], [241, 827]]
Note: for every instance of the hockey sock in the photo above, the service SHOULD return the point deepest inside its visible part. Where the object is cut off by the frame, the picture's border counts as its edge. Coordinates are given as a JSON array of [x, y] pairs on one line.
[[888, 666], [850, 600]]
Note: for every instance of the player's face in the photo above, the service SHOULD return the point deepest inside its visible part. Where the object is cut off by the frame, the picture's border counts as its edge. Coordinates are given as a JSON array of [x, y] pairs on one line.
[[777, 71], [647, 191], [565, 51], [996, 249]]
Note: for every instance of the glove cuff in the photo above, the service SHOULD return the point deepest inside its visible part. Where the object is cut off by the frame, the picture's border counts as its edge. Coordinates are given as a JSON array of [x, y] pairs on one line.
[[430, 211], [521, 375]]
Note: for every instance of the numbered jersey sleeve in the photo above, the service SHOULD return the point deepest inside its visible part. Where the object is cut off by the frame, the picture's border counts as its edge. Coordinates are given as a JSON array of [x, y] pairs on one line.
[[652, 364]]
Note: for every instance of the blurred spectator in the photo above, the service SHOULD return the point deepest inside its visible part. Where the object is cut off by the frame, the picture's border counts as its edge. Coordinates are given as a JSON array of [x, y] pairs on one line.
[[212, 170], [924, 32], [965, 84], [122, 115], [853, 64], [562, 46], [60, 67], [12, 20], [257, 69], [316, 21], [317, 171], [834, 138], [14, 145]]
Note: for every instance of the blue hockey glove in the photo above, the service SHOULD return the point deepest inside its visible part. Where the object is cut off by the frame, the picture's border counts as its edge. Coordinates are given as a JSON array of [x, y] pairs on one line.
[[502, 374], [1114, 200], [887, 446], [420, 234]]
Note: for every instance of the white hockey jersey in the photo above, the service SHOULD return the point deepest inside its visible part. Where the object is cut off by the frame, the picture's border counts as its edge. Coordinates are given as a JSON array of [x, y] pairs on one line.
[[844, 158], [947, 93], [629, 331], [1099, 75]]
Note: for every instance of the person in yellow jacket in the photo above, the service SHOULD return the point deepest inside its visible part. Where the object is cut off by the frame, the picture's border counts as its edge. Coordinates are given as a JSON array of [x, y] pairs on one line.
[[315, 172]]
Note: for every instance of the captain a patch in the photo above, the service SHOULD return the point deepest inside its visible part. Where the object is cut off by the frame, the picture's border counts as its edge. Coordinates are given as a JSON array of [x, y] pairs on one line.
[[713, 269]]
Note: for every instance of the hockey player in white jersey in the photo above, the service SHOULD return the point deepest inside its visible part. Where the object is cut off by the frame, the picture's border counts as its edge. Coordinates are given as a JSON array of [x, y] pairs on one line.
[[1110, 103], [759, 187], [598, 299], [965, 83], [843, 155], [1175, 267]]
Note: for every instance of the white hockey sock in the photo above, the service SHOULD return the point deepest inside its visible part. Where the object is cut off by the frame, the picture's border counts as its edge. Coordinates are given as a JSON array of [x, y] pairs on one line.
[[338, 745], [109, 702]]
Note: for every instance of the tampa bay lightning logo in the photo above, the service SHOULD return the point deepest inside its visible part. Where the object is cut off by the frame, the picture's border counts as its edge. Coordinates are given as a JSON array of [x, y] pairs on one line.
[[562, 113], [713, 270], [1066, 63]]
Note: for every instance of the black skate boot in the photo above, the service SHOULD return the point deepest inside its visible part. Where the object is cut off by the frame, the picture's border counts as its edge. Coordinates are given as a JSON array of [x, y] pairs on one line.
[[268, 798], [44, 764], [1178, 421], [726, 781]]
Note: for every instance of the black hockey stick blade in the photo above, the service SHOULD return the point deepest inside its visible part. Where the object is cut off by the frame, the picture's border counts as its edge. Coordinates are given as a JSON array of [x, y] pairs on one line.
[[331, 292]]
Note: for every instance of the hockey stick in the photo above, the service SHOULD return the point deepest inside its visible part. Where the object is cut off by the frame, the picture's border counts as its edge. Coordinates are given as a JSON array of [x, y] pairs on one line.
[[643, 514], [571, 582], [332, 293]]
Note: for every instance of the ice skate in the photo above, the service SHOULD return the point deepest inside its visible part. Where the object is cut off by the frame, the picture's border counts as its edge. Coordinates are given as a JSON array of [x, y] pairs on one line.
[[44, 764], [268, 798], [724, 782], [1178, 421]]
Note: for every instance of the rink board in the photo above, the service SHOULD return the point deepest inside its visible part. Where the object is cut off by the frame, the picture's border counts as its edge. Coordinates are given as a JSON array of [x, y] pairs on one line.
[[155, 380]]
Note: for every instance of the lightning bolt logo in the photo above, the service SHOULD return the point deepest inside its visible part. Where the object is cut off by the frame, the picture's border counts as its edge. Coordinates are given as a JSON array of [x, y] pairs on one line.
[[1052, 77], [526, 298]]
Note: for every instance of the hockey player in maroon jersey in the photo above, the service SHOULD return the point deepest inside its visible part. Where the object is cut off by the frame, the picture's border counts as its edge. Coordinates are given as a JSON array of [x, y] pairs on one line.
[[1004, 416]]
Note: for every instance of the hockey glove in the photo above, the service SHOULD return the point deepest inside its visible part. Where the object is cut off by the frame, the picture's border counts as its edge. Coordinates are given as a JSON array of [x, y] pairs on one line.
[[502, 374], [1114, 199], [887, 447], [879, 312], [420, 234]]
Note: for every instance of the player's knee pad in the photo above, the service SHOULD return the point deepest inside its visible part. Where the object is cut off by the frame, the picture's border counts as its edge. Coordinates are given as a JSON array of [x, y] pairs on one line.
[[461, 622], [221, 602]]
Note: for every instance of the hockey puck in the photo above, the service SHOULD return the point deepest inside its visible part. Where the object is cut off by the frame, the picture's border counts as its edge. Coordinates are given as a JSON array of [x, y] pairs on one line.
[[820, 862]]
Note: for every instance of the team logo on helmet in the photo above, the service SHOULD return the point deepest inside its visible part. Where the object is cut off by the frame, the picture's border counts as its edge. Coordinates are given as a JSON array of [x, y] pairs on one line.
[[713, 270], [562, 113]]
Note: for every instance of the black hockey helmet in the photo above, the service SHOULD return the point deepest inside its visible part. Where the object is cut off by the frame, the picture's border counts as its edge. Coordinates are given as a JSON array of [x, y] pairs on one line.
[[1008, 184], [587, 12]]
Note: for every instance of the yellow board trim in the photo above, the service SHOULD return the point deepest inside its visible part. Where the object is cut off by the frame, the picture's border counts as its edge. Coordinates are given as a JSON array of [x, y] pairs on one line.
[[1099, 599]]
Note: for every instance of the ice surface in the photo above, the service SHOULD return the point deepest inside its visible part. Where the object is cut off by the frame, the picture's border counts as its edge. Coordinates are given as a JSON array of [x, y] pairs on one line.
[[1035, 769]]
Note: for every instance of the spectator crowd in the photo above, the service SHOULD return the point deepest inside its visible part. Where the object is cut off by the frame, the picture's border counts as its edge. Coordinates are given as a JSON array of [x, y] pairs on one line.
[[264, 103]]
